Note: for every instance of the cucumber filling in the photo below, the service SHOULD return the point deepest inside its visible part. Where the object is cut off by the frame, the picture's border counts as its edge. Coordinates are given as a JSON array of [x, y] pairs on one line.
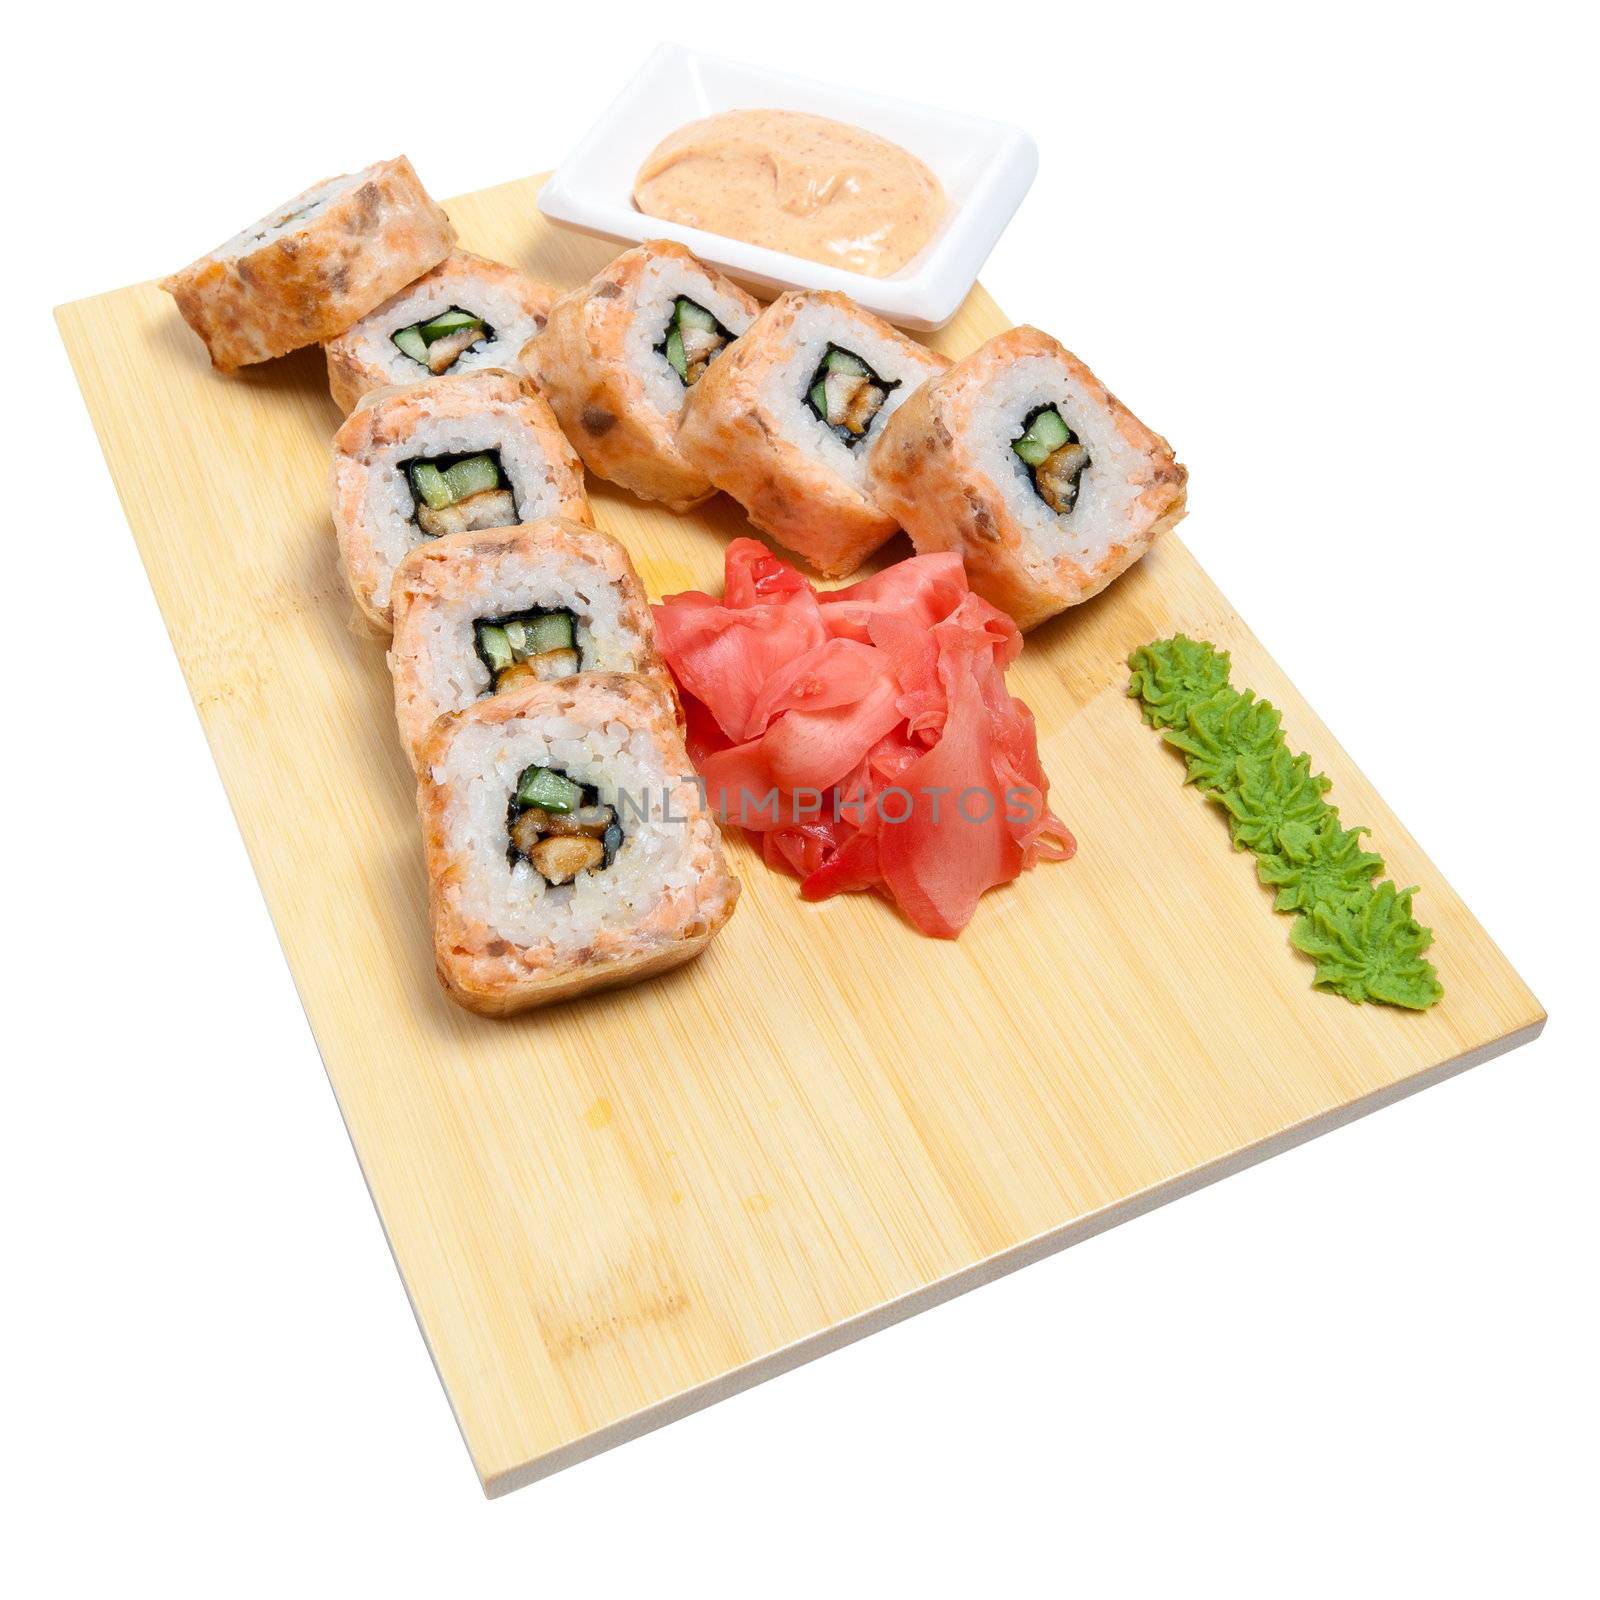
[[559, 827], [692, 341], [1055, 460], [440, 341], [529, 647], [846, 394], [460, 493]]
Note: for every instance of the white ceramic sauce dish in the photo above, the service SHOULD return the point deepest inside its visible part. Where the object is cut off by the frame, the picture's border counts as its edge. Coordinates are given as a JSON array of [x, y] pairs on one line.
[[986, 168]]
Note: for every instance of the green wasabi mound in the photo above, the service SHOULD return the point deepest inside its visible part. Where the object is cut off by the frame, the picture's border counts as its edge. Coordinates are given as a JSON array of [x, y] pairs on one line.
[[1360, 933]]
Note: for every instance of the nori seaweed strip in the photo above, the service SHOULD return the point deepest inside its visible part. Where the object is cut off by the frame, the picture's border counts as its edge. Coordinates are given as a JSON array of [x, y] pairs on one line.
[[486, 336], [674, 325], [1033, 471], [519, 616], [590, 796], [443, 462], [840, 430]]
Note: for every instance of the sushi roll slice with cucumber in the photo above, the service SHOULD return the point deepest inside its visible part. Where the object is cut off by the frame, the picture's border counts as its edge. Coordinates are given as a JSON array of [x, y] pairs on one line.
[[618, 356], [785, 421], [456, 454], [468, 312], [314, 267], [568, 844], [1021, 461], [480, 614]]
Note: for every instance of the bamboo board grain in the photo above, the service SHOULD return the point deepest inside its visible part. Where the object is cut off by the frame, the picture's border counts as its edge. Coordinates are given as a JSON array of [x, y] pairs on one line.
[[612, 1213]]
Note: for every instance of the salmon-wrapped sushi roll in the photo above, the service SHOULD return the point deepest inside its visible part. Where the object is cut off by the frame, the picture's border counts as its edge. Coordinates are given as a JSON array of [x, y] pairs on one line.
[[467, 313], [785, 420], [568, 844], [618, 355], [456, 454], [313, 267], [1021, 461], [478, 614]]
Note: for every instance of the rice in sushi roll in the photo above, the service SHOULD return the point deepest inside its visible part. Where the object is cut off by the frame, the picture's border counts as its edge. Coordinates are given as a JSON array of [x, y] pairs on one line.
[[456, 454], [618, 355], [477, 614], [1020, 460], [468, 312], [785, 420], [313, 267], [568, 845]]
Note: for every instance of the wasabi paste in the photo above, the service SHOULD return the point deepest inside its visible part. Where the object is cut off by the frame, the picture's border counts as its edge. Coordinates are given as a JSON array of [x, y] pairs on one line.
[[1358, 931]]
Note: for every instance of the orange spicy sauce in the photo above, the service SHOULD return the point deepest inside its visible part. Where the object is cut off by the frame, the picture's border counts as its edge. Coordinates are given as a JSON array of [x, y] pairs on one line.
[[790, 181]]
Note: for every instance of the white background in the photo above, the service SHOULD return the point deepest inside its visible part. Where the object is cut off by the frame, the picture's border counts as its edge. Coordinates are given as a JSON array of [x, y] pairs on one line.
[[1336, 254]]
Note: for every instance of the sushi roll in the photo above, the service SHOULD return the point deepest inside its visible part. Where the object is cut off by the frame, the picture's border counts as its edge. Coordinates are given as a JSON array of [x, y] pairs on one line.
[[618, 355], [456, 454], [477, 614], [1022, 462], [785, 421], [468, 312], [313, 267], [568, 844]]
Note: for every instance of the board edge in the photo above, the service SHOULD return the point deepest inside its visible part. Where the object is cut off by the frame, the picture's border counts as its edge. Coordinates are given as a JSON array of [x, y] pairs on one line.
[[506, 1480]]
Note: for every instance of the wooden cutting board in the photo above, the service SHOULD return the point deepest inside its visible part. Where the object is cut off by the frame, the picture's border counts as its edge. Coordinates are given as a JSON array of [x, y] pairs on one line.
[[612, 1213]]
